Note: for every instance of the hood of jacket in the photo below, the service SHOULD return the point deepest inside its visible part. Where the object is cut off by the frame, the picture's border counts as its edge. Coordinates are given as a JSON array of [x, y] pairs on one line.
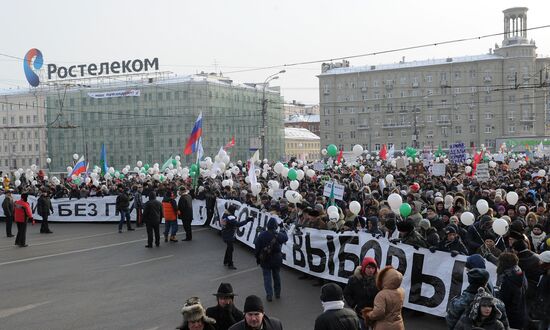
[[389, 278]]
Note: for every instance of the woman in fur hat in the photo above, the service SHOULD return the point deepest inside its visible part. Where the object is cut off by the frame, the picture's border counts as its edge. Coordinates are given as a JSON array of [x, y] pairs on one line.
[[483, 314], [194, 316]]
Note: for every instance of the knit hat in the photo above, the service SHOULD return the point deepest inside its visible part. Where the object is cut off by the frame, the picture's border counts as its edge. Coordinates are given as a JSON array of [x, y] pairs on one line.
[[483, 298], [450, 230], [405, 226], [478, 277], [545, 257], [424, 224], [193, 311], [331, 292], [253, 304], [475, 261], [368, 261]]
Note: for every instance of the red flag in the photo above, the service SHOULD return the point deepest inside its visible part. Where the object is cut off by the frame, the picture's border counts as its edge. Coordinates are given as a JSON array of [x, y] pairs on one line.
[[383, 152], [339, 159], [230, 144], [477, 159]]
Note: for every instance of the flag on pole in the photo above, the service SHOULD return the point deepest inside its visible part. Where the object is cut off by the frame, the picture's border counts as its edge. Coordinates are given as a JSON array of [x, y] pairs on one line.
[[383, 154], [230, 144], [103, 160], [167, 164], [80, 167], [340, 156], [196, 133], [391, 152], [255, 157], [252, 175]]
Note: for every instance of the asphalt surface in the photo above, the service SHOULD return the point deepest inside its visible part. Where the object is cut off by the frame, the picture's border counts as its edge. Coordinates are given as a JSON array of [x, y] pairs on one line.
[[88, 276]]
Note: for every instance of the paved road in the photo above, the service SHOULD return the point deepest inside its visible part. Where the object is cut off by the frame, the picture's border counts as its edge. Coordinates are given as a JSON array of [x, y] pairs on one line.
[[87, 276]]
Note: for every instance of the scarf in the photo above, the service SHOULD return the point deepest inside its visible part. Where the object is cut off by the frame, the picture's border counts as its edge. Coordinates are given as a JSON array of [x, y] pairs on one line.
[[537, 239], [329, 305]]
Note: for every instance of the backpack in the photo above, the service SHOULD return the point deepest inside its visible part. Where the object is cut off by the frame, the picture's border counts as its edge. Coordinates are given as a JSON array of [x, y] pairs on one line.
[[267, 250]]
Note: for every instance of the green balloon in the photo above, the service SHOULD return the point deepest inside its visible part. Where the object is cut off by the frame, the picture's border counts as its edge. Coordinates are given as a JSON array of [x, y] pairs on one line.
[[146, 166], [405, 210], [161, 178], [121, 176], [292, 174], [332, 150], [192, 173], [193, 168], [77, 181], [174, 162]]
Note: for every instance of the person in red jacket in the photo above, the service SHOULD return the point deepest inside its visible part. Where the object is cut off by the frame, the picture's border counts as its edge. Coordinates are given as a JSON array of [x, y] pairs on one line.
[[23, 213]]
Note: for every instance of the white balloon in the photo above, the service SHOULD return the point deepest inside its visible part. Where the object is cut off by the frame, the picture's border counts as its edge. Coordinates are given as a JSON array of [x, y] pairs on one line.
[[367, 178], [541, 173], [324, 152], [355, 207], [332, 209], [45, 178], [300, 175], [468, 169], [357, 150], [378, 163], [34, 182], [446, 162], [284, 172], [294, 184], [333, 217], [310, 173], [264, 175], [87, 180], [500, 227], [69, 169], [482, 206], [467, 218], [48, 160], [395, 201], [278, 168], [468, 161], [111, 170], [75, 156], [170, 176], [362, 168], [125, 170], [17, 183], [449, 199], [177, 158], [156, 177], [270, 192], [389, 178], [512, 197]]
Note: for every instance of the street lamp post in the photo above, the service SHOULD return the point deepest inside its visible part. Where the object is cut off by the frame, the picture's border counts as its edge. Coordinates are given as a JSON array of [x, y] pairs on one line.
[[263, 132]]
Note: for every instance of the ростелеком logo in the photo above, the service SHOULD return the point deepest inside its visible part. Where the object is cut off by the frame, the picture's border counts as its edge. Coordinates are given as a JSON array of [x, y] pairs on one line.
[[34, 57]]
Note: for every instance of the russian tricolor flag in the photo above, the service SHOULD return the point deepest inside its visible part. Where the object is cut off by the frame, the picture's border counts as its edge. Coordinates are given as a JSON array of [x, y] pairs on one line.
[[80, 167], [192, 143]]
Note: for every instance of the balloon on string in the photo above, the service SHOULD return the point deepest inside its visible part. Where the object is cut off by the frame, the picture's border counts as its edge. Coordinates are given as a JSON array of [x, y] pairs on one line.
[[310, 173], [395, 201], [500, 227], [48, 160], [292, 175], [333, 217], [75, 156], [357, 150], [300, 175], [467, 218], [17, 183], [405, 210], [367, 178], [415, 187], [264, 175], [512, 197], [389, 178], [332, 209], [541, 173], [482, 206], [284, 172], [270, 192], [355, 207], [294, 184], [468, 169], [278, 168], [362, 168], [324, 152], [332, 150]]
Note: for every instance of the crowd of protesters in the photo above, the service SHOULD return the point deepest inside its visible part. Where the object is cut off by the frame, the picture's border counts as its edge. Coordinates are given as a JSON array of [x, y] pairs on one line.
[[519, 300]]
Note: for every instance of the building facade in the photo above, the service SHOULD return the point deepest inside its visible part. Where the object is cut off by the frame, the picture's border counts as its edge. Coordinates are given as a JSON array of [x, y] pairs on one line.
[[296, 108], [23, 141], [426, 104], [151, 121], [301, 144]]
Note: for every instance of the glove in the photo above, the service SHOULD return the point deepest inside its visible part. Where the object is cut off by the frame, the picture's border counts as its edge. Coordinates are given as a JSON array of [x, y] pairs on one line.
[[432, 249], [415, 247], [454, 253], [395, 240]]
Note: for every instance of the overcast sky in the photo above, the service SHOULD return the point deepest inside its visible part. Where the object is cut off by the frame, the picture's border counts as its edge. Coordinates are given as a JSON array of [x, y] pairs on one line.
[[240, 35]]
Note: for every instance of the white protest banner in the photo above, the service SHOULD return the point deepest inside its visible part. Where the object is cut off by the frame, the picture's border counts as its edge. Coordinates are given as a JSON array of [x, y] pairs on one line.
[[318, 166], [430, 280], [278, 194], [482, 172], [499, 158], [457, 153], [97, 209], [438, 169], [338, 190], [400, 163], [123, 93]]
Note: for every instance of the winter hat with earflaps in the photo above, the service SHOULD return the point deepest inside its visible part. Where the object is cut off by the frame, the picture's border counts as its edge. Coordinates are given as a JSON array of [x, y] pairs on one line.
[[193, 311]]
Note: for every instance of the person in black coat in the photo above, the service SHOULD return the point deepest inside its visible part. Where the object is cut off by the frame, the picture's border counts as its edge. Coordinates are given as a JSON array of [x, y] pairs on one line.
[[229, 225], [335, 316], [8, 207], [185, 212], [511, 288], [270, 258], [361, 288], [254, 317], [225, 313], [452, 243], [123, 208], [152, 215], [43, 208]]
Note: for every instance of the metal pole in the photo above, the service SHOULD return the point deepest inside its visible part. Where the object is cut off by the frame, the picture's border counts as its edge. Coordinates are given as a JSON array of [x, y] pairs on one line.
[[264, 123]]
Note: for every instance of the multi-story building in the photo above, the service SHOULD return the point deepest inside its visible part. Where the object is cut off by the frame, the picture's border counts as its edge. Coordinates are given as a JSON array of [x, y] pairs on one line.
[[296, 108], [431, 103], [301, 144], [152, 120], [23, 141]]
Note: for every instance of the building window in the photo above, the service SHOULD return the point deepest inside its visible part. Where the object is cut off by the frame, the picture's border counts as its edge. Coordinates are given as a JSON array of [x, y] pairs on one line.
[[429, 118], [472, 129], [488, 129], [390, 133], [377, 147], [352, 134], [444, 144], [430, 104], [458, 129], [512, 129], [488, 115], [429, 78]]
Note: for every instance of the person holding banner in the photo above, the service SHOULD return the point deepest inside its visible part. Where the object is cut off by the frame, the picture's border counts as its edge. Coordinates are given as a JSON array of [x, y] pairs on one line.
[[229, 225], [152, 215], [185, 212], [270, 258]]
